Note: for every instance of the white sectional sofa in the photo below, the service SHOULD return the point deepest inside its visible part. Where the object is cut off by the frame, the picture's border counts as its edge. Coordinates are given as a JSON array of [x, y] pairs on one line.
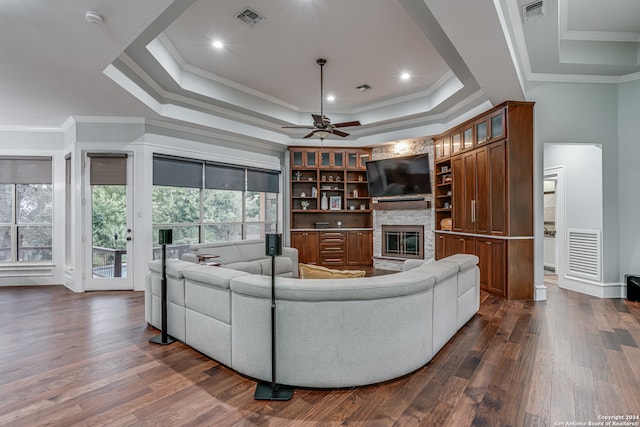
[[246, 255], [330, 333]]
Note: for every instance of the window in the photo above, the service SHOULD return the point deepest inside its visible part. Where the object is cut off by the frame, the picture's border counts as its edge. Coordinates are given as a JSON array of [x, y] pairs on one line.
[[209, 202], [26, 209]]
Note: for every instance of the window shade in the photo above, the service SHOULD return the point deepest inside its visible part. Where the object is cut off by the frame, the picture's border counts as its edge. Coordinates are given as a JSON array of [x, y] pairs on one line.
[[266, 181], [177, 172], [108, 169], [221, 177], [25, 170]]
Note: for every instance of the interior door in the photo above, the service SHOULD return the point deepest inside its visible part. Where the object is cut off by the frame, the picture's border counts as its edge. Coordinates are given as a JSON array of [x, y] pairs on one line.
[[107, 233]]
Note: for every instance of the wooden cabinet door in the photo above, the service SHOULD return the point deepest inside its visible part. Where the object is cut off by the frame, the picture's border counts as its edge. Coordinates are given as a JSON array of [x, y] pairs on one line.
[[492, 264], [463, 245], [458, 202], [307, 243], [469, 193], [481, 200], [359, 248], [441, 242], [497, 189]]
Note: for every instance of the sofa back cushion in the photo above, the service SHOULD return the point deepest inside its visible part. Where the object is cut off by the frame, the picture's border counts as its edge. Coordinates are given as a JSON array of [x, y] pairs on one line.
[[251, 250]]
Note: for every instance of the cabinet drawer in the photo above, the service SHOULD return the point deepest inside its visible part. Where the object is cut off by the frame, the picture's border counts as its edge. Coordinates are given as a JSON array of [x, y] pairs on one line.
[[332, 237], [331, 249], [337, 259]]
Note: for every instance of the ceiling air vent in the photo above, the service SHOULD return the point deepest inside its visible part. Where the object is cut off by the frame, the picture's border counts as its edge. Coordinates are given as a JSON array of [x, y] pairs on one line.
[[531, 11], [364, 87], [249, 16]]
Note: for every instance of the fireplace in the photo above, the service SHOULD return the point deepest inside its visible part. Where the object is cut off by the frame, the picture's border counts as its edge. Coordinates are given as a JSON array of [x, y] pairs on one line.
[[403, 241]]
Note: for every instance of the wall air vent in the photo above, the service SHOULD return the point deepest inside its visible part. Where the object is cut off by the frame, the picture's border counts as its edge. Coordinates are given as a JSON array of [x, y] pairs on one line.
[[531, 11], [249, 16], [585, 253]]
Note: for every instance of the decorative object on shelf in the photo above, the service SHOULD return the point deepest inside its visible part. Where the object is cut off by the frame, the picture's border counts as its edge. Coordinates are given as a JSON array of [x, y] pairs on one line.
[[355, 193], [447, 179], [352, 208], [335, 203], [304, 204], [363, 207], [339, 224], [444, 169], [360, 178], [298, 175], [445, 224], [326, 187], [330, 178], [309, 179], [324, 202], [324, 178], [449, 193], [447, 205], [338, 178], [314, 192], [303, 194]]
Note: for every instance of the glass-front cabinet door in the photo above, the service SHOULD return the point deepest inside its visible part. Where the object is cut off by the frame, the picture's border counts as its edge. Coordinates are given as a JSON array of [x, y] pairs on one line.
[[356, 159], [482, 135], [456, 143], [496, 120], [304, 158], [467, 138], [331, 159]]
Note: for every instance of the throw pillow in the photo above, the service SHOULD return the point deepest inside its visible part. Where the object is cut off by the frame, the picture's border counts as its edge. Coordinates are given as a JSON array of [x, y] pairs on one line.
[[309, 271]]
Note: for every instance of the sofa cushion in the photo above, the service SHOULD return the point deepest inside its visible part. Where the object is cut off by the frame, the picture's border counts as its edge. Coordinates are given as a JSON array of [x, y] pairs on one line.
[[464, 261], [251, 250], [283, 265], [252, 267], [174, 267], [309, 271], [214, 276]]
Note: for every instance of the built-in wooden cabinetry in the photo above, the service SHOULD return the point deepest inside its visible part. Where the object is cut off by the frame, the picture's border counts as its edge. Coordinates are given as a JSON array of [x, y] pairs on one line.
[[340, 234], [484, 189]]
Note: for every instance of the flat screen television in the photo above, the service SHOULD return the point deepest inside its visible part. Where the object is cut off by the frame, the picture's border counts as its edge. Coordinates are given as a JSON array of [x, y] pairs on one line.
[[399, 176]]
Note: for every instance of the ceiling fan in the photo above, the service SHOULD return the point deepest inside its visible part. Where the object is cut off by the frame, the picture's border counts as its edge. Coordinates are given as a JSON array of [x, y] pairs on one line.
[[322, 126]]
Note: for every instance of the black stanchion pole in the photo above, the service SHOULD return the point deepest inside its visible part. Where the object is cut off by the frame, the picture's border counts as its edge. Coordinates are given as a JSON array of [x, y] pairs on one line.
[[163, 338], [273, 391]]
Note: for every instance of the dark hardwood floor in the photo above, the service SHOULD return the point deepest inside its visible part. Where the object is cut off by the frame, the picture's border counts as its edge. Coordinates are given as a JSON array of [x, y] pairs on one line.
[[84, 359]]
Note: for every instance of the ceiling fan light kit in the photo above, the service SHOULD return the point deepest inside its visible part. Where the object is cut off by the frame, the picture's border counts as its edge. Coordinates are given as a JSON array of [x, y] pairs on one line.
[[322, 126]]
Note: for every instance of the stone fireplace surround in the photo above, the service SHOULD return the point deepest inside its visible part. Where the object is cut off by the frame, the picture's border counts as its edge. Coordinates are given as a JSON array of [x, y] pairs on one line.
[[421, 216]]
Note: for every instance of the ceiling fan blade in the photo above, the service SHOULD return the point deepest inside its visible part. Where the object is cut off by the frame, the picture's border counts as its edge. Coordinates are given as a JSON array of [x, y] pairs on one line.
[[339, 133], [345, 124], [317, 120], [298, 127], [309, 135]]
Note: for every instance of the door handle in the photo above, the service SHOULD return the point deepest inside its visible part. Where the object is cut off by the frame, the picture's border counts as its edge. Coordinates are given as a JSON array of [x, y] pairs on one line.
[[128, 239]]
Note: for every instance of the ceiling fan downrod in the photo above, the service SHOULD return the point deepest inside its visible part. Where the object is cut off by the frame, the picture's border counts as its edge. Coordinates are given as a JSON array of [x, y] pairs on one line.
[[321, 63]]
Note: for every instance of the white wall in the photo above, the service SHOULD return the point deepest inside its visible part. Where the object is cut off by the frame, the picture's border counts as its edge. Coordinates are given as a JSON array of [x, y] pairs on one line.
[[583, 182], [629, 177], [572, 113]]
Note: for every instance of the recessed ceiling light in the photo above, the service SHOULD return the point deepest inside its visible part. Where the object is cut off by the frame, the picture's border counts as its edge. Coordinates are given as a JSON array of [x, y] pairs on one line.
[[405, 76], [217, 44], [331, 98]]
